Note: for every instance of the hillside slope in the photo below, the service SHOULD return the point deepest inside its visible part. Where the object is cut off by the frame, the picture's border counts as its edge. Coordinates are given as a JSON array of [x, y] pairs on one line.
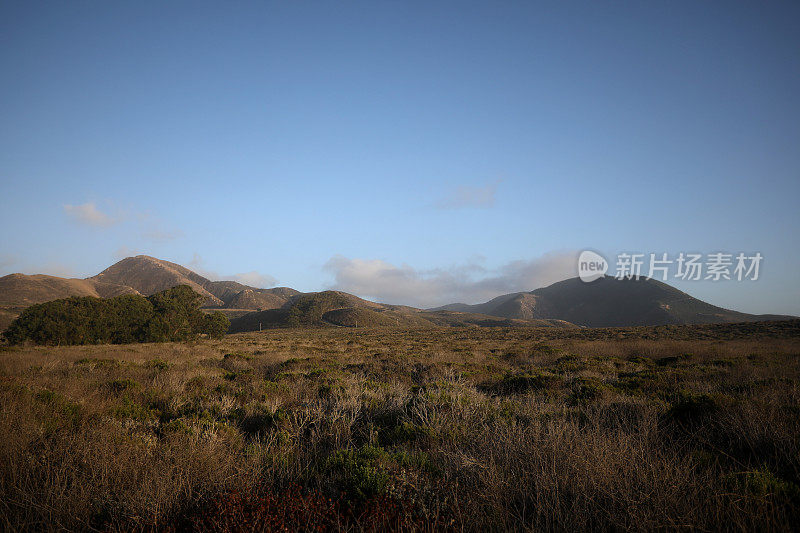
[[149, 275], [333, 308], [18, 291], [609, 302], [24, 290], [606, 302], [135, 275]]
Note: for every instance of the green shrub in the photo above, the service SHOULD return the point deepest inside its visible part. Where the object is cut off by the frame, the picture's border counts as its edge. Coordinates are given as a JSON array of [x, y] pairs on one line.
[[666, 361], [585, 390], [691, 407], [519, 383], [170, 315], [763, 483], [157, 364], [360, 472]]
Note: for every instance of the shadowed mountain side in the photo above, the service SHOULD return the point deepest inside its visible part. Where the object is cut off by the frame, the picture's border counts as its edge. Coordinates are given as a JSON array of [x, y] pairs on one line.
[[609, 302], [259, 299]]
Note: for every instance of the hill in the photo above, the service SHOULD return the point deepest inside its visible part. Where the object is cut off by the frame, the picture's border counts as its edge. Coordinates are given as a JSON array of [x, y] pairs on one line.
[[606, 302], [260, 298], [149, 275], [143, 275], [24, 290], [19, 291], [609, 302], [334, 308]]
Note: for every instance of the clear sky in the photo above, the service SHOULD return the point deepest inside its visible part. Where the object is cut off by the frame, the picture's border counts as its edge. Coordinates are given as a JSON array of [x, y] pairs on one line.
[[423, 152]]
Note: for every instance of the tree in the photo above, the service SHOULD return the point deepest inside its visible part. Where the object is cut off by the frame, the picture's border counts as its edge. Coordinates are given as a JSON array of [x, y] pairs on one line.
[[177, 314], [171, 315], [216, 325]]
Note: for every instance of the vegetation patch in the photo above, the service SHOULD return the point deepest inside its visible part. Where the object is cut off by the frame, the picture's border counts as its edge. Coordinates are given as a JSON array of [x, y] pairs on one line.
[[674, 360], [524, 382], [361, 472], [585, 390], [170, 315]]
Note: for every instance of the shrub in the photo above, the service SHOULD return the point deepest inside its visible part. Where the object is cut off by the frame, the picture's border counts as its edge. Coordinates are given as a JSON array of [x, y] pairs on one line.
[[585, 390], [519, 383], [171, 315], [360, 471], [693, 407]]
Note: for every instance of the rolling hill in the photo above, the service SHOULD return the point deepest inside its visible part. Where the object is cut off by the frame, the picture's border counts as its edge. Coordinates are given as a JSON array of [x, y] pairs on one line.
[[134, 275], [334, 308], [18, 291], [22, 290], [149, 275], [609, 302], [606, 302]]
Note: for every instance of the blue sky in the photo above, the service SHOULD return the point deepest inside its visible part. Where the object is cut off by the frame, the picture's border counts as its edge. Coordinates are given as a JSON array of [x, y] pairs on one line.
[[426, 152]]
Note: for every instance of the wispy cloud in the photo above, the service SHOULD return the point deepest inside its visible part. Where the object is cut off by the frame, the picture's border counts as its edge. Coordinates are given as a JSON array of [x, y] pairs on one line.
[[89, 215], [149, 226], [469, 283], [467, 196], [253, 278]]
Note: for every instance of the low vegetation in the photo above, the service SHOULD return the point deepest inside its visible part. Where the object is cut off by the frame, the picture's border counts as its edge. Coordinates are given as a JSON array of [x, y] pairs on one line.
[[170, 315], [435, 429]]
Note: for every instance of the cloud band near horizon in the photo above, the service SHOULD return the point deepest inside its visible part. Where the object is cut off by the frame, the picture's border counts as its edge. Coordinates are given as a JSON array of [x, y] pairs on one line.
[[384, 282]]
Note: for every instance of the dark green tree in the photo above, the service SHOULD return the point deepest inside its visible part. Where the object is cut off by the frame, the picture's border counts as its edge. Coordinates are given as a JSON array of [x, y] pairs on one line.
[[216, 325], [177, 314], [171, 315]]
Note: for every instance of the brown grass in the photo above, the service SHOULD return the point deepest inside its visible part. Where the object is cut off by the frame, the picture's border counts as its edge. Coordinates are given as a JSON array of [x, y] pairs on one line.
[[461, 428]]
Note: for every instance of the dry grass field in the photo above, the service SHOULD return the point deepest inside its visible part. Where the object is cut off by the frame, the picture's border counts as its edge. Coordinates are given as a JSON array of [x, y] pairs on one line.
[[370, 429]]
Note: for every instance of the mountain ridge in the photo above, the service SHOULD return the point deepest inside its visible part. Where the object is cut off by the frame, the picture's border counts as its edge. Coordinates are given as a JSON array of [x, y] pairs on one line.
[[606, 302], [610, 302]]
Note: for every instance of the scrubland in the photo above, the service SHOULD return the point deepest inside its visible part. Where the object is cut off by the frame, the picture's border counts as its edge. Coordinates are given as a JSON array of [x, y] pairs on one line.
[[435, 429]]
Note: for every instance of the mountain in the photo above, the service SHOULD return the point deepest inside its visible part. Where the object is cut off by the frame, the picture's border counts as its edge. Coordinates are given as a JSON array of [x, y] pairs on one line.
[[606, 302], [22, 290], [334, 308], [260, 298], [609, 302], [134, 275], [149, 275], [18, 291]]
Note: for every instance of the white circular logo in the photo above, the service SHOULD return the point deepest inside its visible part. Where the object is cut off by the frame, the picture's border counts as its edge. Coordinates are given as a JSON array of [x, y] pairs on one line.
[[591, 266]]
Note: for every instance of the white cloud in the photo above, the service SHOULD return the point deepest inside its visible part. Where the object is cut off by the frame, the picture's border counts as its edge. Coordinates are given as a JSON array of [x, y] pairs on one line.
[[253, 278], [470, 283], [90, 215], [465, 196], [149, 226]]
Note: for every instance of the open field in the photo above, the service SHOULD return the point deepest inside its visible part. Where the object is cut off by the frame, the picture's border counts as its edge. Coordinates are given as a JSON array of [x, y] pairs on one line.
[[451, 428]]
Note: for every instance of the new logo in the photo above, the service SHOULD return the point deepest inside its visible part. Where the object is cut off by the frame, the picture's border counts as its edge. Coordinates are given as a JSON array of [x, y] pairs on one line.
[[591, 266]]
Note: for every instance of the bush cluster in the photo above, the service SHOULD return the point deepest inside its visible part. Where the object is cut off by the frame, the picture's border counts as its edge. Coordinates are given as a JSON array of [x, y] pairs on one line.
[[170, 315]]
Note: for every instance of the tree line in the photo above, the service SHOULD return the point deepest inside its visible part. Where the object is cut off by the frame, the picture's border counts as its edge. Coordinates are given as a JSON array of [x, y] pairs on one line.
[[170, 315]]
